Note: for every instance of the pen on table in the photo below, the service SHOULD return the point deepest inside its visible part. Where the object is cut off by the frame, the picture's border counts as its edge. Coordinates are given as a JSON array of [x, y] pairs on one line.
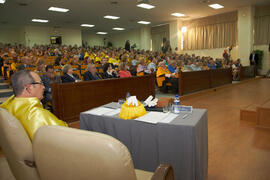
[[185, 116]]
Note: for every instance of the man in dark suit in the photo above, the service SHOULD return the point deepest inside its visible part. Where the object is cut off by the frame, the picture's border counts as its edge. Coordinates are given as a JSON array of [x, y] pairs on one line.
[[91, 73], [254, 58]]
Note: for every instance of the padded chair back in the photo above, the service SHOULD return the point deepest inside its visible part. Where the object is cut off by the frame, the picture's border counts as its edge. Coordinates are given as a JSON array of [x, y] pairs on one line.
[[17, 147], [67, 153]]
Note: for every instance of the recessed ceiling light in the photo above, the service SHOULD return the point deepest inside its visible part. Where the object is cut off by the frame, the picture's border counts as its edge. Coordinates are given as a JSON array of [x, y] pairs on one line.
[[216, 6], [102, 33], [40, 20], [57, 9], [145, 6], [111, 17], [87, 25], [2, 1], [119, 29], [178, 14], [144, 22]]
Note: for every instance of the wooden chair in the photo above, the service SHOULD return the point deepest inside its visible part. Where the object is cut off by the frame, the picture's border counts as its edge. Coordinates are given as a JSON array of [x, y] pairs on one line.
[[140, 73]]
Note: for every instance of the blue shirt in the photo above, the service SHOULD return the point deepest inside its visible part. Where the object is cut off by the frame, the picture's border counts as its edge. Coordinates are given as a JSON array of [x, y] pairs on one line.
[[171, 69], [152, 65]]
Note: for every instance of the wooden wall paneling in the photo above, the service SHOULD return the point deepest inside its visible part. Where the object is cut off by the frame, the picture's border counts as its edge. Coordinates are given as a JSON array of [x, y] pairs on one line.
[[221, 77], [195, 81], [180, 83]]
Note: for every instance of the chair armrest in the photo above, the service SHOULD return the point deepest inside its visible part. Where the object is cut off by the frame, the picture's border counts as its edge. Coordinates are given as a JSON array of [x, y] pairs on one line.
[[163, 172]]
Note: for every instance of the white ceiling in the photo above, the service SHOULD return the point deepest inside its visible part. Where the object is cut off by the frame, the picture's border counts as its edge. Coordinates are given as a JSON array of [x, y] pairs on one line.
[[92, 12]]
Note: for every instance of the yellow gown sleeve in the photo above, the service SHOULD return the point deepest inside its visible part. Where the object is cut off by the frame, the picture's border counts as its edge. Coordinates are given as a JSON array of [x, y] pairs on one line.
[[160, 72], [41, 117]]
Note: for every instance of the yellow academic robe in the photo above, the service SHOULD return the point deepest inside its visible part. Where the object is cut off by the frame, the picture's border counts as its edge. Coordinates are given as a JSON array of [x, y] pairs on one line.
[[159, 74], [31, 114]]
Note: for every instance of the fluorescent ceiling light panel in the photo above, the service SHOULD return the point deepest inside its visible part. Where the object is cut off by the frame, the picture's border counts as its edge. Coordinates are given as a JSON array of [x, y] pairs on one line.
[[2, 1], [102, 33], [119, 29], [111, 17], [57, 9], [145, 6], [87, 25], [216, 6], [144, 22], [178, 14], [40, 20]]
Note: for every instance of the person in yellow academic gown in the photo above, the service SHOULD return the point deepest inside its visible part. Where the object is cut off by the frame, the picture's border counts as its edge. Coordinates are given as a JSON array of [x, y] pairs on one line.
[[165, 78], [25, 105]]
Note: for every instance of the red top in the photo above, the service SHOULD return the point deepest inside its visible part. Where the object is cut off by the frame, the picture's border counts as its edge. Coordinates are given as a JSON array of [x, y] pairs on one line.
[[124, 74]]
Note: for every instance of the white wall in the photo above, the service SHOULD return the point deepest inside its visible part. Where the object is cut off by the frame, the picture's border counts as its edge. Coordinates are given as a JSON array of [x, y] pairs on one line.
[[93, 39], [12, 35], [145, 38], [266, 58], [119, 39], [140, 36], [41, 35], [245, 32], [175, 35]]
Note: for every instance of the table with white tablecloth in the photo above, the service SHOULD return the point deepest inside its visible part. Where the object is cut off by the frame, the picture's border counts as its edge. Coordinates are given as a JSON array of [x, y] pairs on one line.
[[183, 142]]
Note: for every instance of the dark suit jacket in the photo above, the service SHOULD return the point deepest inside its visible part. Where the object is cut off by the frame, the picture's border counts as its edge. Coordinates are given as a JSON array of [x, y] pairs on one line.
[[87, 76], [256, 58], [105, 75], [67, 78]]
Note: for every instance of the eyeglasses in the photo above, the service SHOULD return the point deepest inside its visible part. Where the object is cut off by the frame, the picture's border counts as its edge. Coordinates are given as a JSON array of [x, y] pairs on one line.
[[40, 83]]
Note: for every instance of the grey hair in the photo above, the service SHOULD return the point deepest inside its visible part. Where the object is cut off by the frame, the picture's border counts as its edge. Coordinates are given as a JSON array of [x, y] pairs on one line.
[[20, 79], [89, 66], [66, 68], [122, 65]]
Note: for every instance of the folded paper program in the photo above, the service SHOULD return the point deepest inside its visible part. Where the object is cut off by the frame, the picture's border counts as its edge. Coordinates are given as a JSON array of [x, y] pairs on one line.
[[149, 102]]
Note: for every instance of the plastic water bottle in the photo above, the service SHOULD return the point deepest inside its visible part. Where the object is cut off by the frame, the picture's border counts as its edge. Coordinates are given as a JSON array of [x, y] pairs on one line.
[[176, 100], [127, 95], [176, 103]]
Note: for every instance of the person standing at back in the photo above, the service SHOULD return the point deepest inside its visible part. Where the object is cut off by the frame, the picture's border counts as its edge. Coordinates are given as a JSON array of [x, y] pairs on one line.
[[127, 46]]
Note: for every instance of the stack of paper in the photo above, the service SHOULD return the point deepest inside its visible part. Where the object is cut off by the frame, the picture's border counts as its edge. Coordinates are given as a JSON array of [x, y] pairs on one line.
[[103, 111], [157, 117]]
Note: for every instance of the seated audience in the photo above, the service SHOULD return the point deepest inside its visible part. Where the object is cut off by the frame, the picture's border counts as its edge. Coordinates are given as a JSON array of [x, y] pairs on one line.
[[47, 78], [41, 66], [103, 62], [212, 64], [164, 76], [236, 69], [25, 103], [109, 72], [152, 65], [172, 66], [75, 61], [124, 70], [142, 68], [91, 73], [69, 76]]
